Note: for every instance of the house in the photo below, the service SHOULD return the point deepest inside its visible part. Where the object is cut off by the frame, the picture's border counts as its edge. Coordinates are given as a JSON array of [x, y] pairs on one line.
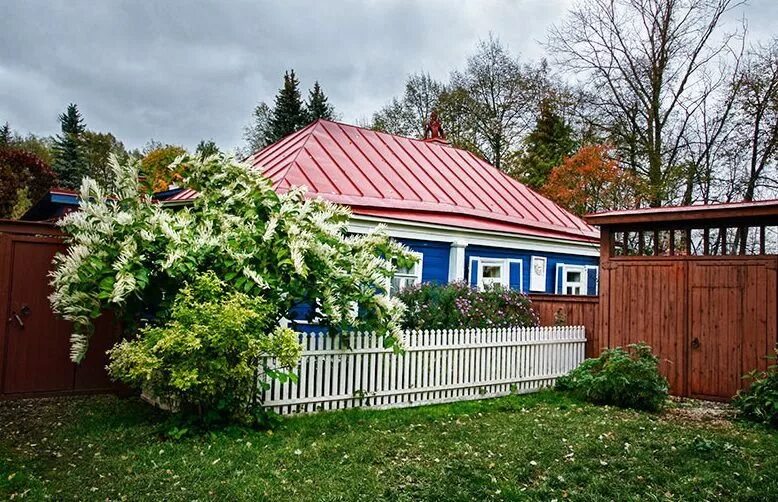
[[466, 220]]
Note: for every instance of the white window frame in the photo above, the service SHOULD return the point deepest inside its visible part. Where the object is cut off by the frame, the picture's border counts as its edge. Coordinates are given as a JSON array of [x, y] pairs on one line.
[[505, 271], [540, 285], [416, 276], [583, 283], [505, 274]]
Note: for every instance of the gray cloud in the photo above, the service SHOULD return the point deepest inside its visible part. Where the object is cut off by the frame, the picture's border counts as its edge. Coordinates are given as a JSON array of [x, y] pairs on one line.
[[182, 71]]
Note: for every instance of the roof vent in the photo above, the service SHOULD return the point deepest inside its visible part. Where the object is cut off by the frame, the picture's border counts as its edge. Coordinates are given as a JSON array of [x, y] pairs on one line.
[[433, 130]]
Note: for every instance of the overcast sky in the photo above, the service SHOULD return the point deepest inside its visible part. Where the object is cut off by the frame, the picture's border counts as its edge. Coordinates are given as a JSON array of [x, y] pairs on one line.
[[182, 71]]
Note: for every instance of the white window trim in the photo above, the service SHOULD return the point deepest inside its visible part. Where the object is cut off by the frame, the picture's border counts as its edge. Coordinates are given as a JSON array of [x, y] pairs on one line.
[[573, 268], [416, 277], [542, 288], [505, 274]]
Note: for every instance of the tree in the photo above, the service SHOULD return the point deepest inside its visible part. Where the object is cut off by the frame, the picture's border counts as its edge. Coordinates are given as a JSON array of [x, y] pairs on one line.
[[757, 118], [544, 148], [592, 180], [37, 145], [406, 116], [288, 114], [6, 135], [70, 164], [40, 146], [650, 66], [207, 148], [97, 148], [317, 106], [24, 179], [158, 169], [257, 132], [501, 96]]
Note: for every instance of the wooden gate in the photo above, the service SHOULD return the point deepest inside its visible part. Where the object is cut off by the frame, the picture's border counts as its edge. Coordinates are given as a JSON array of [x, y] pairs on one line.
[[731, 322], [699, 284], [34, 342]]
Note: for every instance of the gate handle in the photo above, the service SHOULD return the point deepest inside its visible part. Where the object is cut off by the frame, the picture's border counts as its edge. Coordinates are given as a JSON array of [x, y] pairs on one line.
[[18, 319], [696, 343]]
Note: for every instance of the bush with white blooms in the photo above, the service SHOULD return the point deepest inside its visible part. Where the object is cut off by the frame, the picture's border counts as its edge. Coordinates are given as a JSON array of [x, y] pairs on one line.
[[130, 254]]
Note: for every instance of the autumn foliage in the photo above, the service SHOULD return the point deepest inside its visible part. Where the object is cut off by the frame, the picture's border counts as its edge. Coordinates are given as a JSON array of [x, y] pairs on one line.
[[155, 166], [592, 180], [24, 178]]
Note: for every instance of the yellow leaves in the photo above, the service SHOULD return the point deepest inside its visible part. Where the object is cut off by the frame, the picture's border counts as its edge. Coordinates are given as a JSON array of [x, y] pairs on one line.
[[156, 167]]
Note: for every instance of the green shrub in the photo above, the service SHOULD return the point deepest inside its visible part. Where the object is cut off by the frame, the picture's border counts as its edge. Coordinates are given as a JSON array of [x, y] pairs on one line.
[[760, 401], [625, 378], [457, 305], [206, 357]]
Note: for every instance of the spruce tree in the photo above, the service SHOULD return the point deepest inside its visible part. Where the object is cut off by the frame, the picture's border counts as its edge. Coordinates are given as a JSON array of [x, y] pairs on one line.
[[70, 163], [317, 105], [546, 146], [5, 135], [288, 114]]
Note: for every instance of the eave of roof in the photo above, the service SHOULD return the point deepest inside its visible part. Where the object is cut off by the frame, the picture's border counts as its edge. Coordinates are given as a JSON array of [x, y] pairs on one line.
[[709, 214]]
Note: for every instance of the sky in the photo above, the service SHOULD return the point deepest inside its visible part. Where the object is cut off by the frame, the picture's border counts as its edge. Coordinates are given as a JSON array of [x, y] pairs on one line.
[[182, 71]]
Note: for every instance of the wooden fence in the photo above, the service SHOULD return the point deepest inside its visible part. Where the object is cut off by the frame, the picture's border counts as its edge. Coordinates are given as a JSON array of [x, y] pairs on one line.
[[436, 367], [572, 310]]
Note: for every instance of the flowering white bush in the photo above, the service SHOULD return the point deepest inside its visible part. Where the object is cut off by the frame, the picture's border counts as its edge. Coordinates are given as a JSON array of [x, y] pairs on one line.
[[129, 253]]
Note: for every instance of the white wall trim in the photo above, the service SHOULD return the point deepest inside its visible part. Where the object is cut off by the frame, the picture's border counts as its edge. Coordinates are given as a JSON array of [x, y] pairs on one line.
[[542, 288], [456, 261], [439, 233]]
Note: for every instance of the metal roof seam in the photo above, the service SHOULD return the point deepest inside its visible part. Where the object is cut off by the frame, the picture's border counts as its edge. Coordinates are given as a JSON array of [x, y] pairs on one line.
[[344, 173], [470, 176], [355, 164], [432, 178], [474, 162], [407, 167], [362, 137], [462, 196]]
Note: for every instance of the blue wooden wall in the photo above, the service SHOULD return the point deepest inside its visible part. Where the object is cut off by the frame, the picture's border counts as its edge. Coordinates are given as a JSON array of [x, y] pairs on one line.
[[552, 259], [435, 262]]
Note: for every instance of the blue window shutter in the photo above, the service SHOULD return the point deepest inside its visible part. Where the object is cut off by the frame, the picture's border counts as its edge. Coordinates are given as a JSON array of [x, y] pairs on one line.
[[514, 278], [474, 273], [558, 285], [591, 281]]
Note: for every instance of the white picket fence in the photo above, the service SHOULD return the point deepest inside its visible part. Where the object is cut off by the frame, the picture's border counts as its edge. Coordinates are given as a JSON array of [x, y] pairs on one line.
[[436, 367]]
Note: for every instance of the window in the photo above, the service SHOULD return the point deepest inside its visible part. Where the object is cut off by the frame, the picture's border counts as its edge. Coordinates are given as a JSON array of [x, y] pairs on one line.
[[405, 277], [573, 280], [492, 272]]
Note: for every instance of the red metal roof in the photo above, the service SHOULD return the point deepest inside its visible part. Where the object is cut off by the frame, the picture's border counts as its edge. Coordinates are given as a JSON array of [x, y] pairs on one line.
[[379, 174]]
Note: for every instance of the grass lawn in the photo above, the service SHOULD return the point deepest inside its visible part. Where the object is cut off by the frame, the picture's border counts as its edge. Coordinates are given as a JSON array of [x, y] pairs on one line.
[[543, 446]]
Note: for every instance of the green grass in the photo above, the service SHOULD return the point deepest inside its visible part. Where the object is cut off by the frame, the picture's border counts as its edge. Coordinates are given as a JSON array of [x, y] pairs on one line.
[[542, 446]]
